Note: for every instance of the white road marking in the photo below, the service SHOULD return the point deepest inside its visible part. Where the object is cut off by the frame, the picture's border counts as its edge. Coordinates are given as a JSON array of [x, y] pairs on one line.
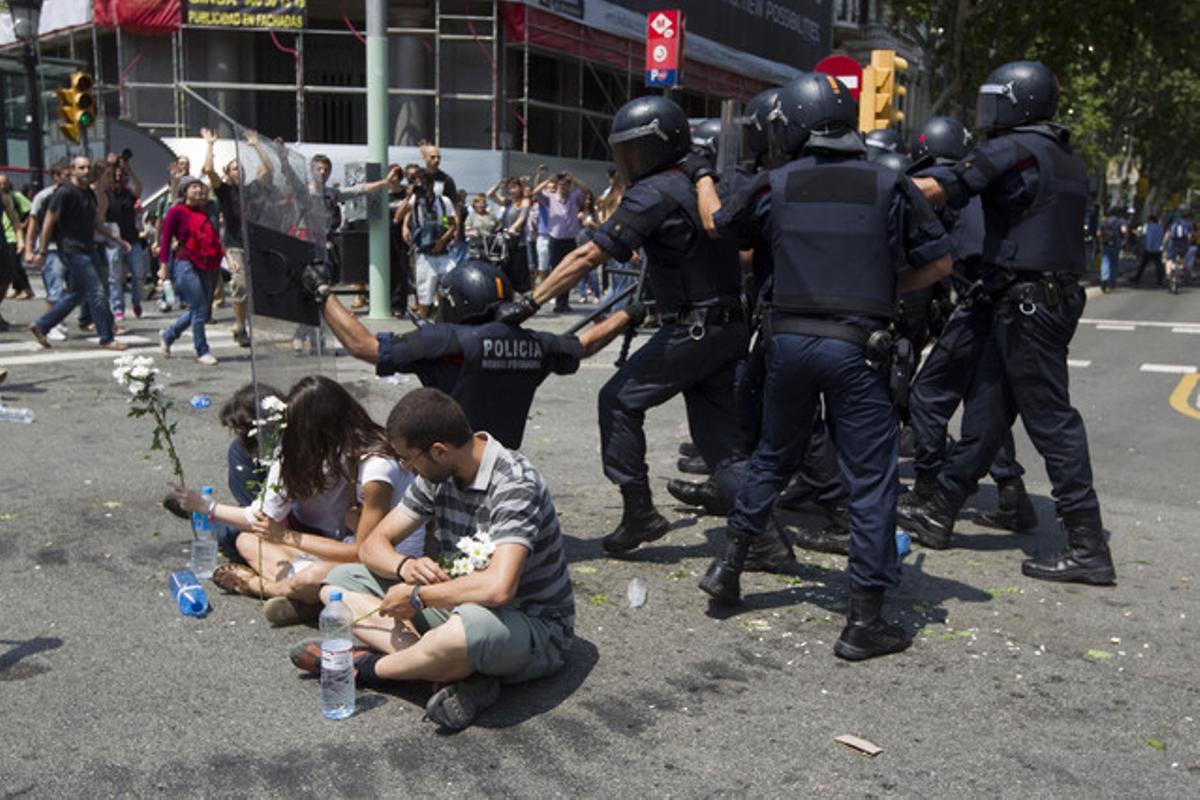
[[1179, 329], [1173, 369], [1109, 326], [54, 354], [1081, 363], [1140, 323]]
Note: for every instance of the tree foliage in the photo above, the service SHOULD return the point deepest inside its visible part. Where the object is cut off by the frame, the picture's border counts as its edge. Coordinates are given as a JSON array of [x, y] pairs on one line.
[[1128, 80]]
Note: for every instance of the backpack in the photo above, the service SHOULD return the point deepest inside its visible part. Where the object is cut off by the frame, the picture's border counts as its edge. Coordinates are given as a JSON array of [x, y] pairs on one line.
[[204, 243], [427, 223]]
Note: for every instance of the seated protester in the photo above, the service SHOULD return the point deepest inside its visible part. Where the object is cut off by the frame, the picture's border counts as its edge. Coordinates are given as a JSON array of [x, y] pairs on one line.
[[492, 369], [336, 477], [509, 619]]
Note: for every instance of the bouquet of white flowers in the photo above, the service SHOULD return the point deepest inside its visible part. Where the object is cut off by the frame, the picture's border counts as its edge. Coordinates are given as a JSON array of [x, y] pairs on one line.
[[476, 552], [140, 376]]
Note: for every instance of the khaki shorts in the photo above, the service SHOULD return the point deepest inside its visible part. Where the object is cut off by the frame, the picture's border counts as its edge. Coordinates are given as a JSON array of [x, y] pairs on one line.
[[503, 642], [236, 257]]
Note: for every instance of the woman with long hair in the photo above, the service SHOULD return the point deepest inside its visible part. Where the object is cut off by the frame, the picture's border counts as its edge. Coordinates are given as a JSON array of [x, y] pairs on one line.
[[335, 477]]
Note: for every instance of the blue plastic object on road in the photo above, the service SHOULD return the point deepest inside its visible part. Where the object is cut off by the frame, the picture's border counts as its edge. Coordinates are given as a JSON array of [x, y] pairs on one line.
[[903, 543], [201, 524], [188, 593], [201, 402]]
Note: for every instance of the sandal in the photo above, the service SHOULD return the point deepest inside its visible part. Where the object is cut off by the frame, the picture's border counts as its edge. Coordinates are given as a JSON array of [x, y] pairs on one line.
[[236, 579]]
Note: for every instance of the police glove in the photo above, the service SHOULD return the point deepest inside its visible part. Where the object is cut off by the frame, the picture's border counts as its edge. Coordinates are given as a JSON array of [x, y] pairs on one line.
[[315, 280], [697, 166], [517, 310], [637, 313]]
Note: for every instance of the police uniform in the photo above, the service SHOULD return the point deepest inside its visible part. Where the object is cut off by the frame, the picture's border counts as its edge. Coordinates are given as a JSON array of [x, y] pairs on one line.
[[1034, 192], [696, 285], [492, 370]]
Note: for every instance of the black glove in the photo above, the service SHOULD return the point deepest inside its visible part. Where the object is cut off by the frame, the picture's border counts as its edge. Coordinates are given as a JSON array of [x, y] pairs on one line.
[[697, 166], [517, 310], [636, 311], [314, 279]]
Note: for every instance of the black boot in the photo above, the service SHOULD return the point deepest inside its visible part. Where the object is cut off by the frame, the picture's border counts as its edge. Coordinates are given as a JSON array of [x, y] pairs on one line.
[[908, 442], [689, 449], [866, 634], [640, 522], [833, 538], [922, 489], [722, 580], [770, 552], [693, 465], [1086, 558], [837, 513], [706, 495], [1014, 510], [931, 523]]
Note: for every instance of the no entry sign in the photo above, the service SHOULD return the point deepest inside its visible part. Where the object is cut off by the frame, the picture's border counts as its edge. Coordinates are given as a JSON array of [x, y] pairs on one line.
[[664, 48], [845, 69]]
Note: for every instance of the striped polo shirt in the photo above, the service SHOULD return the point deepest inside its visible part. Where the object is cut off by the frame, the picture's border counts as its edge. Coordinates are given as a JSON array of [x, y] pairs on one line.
[[509, 500]]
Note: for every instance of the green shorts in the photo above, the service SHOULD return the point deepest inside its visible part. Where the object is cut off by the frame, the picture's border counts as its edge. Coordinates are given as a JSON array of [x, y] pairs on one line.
[[503, 642]]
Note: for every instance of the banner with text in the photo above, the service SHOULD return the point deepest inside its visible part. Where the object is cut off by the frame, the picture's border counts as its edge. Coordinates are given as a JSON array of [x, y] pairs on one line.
[[286, 15]]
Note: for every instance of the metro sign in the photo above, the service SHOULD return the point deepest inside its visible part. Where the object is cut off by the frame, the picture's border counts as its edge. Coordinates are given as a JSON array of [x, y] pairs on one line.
[[664, 48]]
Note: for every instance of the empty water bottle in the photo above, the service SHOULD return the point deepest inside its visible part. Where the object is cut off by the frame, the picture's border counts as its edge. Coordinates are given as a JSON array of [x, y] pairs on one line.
[[188, 593], [204, 544], [337, 659], [903, 543], [200, 402], [636, 593], [168, 295], [10, 414]]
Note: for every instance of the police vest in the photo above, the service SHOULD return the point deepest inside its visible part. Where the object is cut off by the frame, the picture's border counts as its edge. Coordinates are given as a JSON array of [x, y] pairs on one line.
[[829, 238], [685, 267], [1048, 235], [502, 367]]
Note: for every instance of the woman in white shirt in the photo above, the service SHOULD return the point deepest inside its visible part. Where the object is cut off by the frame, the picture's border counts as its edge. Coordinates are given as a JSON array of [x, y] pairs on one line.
[[335, 478]]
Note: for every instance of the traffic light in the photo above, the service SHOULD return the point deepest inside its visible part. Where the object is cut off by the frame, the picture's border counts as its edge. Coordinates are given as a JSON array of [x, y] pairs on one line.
[[76, 105], [877, 99]]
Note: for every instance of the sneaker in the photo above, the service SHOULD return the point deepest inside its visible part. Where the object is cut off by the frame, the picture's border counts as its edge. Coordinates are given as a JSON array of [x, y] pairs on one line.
[[119, 316], [137, 310], [456, 706], [113, 344], [164, 307], [164, 346], [3, 375], [120, 331], [241, 338], [87, 327], [38, 334], [281, 611], [208, 360], [57, 334], [298, 345]]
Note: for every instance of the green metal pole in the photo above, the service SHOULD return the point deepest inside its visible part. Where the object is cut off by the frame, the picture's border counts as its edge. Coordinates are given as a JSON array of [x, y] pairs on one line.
[[377, 138]]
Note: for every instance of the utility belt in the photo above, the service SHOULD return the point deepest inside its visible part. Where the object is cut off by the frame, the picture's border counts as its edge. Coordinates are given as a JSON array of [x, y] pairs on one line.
[[877, 345], [1028, 290], [697, 318]]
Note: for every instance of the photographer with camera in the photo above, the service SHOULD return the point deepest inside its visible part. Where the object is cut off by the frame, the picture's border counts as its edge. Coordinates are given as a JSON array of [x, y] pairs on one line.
[[429, 229]]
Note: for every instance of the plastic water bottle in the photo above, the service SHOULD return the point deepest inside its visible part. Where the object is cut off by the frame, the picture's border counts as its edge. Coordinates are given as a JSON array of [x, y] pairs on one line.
[[204, 544], [188, 593], [903, 543], [636, 593], [168, 295], [9, 414], [200, 402], [337, 660]]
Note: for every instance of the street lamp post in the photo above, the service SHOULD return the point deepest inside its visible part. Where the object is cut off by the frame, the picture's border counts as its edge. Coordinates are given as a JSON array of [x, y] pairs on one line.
[[25, 15]]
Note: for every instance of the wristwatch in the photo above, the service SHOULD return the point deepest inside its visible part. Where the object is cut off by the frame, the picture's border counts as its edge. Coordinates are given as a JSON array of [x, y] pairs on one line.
[[414, 599]]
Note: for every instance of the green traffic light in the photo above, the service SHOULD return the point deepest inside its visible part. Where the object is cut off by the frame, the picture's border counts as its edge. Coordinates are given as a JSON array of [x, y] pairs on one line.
[[85, 119]]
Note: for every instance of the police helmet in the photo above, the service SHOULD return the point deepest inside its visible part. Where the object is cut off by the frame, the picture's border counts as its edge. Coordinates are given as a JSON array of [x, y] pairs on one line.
[[817, 106], [1017, 93], [758, 126], [882, 140], [469, 292], [942, 139], [648, 134], [706, 137], [897, 162]]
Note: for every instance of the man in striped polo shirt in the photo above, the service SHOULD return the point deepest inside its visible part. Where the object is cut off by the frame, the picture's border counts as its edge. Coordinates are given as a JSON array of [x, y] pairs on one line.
[[507, 621]]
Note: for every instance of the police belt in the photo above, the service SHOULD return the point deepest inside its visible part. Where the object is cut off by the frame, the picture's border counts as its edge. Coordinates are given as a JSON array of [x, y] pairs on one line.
[[814, 326], [1030, 289], [718, 312]]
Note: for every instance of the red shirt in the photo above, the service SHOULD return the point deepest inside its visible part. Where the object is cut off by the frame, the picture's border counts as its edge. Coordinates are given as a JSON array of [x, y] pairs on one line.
[[196, 239]]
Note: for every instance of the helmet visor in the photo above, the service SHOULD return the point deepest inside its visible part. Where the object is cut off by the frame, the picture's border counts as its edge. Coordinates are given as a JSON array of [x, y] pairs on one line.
[[993, 100]]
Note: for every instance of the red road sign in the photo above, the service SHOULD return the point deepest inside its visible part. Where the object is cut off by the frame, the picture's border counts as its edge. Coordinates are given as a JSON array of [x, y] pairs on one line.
[[845, 69], [664, 47]]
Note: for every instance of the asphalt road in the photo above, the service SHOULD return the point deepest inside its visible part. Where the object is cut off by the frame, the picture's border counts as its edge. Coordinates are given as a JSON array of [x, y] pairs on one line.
[[1014, 688]]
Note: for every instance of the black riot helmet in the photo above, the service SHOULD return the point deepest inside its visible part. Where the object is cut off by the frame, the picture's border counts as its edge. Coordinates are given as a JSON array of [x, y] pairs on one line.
[[944, 139], [897, 162], [758, 140], [882, 140], [706, 137], [818, 110], [1018, 93], [469, 292], [648, 134]]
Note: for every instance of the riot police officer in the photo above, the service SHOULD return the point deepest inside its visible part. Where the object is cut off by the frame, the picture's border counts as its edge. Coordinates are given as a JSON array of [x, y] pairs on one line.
[[839, 228], [948, 370], [1034, 191], [492, 369], [883, 140], [696, 285]]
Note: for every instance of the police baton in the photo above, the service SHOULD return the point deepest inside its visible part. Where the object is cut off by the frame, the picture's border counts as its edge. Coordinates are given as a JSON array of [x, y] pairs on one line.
[[631, 331], [601, 310]]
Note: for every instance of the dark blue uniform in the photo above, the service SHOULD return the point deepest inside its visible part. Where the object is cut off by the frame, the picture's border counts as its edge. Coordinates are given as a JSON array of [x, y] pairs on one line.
[[491, 370], [696, 284], [1034, 193], [949, 369], [838, 228]]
